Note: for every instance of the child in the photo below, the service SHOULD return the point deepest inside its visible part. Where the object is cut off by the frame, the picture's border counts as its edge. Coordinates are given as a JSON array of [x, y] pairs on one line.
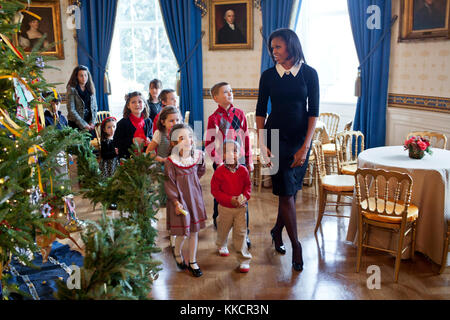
[[231, 186], [185, 206], [167, 98], [135, 126], [108, 151], [53, 116], [231, 124], [154, 104], [168, 117]]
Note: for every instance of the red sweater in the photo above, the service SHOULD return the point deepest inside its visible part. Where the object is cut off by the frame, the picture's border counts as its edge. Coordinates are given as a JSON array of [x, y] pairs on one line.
[[231, 124], [226, 184]]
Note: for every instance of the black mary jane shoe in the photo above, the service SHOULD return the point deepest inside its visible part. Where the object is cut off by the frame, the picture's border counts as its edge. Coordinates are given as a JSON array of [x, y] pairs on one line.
[[298, 266], [280, 249], [195, 272], [182, 265]]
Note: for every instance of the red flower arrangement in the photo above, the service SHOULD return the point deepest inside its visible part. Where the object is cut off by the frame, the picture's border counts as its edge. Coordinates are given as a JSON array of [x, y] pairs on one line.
[[417, 147]]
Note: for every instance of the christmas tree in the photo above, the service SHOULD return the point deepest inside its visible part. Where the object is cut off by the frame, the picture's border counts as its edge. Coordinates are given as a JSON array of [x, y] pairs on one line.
[[118, 262]]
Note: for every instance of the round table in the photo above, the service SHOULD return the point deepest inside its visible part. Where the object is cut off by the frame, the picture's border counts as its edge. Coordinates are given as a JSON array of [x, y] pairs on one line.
[[430, 192]]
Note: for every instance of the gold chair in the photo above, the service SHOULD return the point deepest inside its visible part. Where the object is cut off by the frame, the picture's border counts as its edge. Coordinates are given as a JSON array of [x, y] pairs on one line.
[[251, 119], [383, 199], [445, 250], [349, 145], [331, 121], [311, 172], [187, 114], [257, 177], [348, 126], [340, 185], [102, 115], [437, 139]]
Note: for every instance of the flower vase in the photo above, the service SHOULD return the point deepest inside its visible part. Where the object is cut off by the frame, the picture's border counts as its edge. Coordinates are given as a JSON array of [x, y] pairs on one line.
[[416, 153]]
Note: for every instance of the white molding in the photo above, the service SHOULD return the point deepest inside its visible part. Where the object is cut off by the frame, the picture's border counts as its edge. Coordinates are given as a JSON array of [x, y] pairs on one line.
[[401, 121]]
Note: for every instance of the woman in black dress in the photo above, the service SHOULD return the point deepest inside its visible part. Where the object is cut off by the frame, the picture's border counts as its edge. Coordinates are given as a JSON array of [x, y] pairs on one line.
[[293, 89]]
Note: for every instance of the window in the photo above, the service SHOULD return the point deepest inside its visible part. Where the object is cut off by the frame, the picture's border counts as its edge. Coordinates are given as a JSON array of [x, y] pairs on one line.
[[140, 52], [327, 41]]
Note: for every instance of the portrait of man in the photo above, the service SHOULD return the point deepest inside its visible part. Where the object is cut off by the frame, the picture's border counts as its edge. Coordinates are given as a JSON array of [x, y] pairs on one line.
[[429, 14], [230, 32], [231, 24]]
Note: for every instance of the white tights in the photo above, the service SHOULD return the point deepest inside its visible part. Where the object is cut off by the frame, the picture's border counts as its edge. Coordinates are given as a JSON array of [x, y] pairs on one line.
[[193, 243]]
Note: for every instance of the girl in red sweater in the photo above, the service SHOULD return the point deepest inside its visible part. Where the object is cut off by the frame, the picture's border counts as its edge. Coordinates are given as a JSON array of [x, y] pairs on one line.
[[231, 187]]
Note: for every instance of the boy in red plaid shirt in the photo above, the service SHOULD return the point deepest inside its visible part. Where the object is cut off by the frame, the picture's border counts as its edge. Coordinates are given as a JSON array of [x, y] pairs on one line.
[[227, 123]]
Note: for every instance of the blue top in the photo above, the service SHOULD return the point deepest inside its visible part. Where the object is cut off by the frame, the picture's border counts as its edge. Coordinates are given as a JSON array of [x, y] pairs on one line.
[[294, 99]]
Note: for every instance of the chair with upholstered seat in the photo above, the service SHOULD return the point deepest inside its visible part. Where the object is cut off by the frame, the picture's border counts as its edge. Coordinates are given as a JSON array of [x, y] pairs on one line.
[[384, 201], [251, 119], [437, 139], [331, 121], [349, 145], [348, 126], [340, 185], [186, 117], [311, 172], [257, 177], [445, 250], [102, 115]]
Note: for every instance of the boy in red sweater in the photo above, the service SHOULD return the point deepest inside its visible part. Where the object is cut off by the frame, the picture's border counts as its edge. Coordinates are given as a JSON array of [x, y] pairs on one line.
[[231, 187], [227, 123]]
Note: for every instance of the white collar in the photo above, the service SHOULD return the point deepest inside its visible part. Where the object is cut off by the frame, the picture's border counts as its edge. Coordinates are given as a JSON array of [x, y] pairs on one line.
[[186, 162], [294, 70], [231, 25]]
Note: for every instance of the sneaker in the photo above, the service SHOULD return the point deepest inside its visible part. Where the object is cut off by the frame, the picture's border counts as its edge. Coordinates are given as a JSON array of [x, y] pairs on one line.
[[249, 244], [224, 252], [244, 267]]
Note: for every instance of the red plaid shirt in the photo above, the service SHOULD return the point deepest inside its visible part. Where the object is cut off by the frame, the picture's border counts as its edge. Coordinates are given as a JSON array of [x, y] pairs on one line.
[[232, 125]]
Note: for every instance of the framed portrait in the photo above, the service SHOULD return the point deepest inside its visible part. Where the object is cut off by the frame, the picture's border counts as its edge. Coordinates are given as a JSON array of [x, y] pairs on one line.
[[230, 24], [424, 19], [33, 29]]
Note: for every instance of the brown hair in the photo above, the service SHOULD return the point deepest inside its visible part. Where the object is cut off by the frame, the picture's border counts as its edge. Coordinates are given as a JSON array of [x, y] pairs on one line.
[[215, 88], [73, 81], [165, 112], [174, 138], [127, 111], [103, 136], [163, 95], [155, 83]]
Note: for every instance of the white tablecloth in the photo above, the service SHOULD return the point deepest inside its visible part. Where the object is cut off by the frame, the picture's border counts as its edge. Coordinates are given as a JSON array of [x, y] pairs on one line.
[[430, 192]]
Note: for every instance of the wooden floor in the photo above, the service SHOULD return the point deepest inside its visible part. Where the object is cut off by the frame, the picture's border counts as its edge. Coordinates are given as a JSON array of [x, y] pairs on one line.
[[329, 261]]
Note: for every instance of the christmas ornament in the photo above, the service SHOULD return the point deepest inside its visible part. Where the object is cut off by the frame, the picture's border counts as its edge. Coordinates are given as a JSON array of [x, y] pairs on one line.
[[40, 62], [46, 210]]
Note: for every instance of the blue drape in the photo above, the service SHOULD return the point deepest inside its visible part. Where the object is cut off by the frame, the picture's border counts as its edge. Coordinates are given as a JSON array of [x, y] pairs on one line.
[[94, 42], [275, 14], [370, 116], [183, 20]]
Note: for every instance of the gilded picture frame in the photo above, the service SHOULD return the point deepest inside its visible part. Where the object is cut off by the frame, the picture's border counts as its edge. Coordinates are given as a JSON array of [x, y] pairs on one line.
[[230, 24], [33, 29], [424, 19]]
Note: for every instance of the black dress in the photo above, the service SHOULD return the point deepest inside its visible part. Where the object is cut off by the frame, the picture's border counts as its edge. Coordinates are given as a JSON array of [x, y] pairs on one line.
[[294, 100]]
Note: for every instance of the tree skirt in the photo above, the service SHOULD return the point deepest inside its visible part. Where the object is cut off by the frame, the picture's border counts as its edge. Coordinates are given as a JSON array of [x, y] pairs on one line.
[[40, 283]]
